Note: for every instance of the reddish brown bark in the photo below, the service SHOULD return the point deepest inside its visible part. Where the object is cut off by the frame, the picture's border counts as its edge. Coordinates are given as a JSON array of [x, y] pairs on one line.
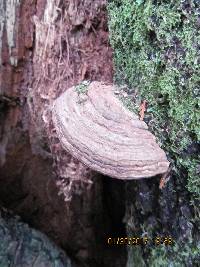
[[56, 44]]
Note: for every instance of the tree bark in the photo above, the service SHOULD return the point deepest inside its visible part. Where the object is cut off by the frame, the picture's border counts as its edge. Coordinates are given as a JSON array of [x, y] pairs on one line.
[[46, 47]]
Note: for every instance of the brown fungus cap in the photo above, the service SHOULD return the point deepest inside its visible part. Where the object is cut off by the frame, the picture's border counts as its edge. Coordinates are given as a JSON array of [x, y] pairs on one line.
[[100, 132]]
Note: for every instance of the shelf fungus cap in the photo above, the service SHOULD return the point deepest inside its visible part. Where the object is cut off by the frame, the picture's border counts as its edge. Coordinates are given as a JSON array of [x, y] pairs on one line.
[[99, 131]]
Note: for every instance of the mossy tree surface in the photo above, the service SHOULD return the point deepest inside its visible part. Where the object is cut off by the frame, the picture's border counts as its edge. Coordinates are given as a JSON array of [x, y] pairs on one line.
[[157, 53]]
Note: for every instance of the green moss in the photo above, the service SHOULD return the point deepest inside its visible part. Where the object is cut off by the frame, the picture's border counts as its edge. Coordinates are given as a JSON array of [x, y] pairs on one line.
[[163, 254], [156, 51], [167, 254], [82, 88], [135, 257], [174, 256]]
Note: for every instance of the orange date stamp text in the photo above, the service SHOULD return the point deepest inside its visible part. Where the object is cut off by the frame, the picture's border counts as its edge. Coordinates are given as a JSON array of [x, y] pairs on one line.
[[134, 241]]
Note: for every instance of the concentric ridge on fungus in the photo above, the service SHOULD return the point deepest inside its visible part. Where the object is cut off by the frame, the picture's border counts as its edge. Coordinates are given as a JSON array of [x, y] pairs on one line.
[[101, 133]]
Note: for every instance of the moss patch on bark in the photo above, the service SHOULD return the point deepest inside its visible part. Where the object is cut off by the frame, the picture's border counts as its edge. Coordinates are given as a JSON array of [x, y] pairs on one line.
[[156, 52]]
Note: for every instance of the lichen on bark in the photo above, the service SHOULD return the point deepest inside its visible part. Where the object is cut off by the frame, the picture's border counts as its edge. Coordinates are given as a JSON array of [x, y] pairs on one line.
[[24, 246]]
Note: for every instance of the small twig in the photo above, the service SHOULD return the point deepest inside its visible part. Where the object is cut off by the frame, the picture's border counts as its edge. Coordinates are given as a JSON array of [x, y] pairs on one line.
[[142, 109], [68, 52], [45, 46]]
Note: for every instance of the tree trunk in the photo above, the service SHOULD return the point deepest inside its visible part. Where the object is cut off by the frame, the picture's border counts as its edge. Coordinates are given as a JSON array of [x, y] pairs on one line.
[[45, 48]]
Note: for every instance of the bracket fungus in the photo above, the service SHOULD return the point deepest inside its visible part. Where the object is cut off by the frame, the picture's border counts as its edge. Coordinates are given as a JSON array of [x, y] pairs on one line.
[[99, 131]]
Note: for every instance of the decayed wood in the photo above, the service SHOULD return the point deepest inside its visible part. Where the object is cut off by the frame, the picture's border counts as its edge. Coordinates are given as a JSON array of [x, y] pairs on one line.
[[100, 132]]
